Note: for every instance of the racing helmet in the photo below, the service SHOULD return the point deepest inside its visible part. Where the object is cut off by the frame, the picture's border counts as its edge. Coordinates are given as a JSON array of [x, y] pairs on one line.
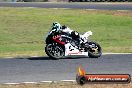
[[75, 35], [56, 25]]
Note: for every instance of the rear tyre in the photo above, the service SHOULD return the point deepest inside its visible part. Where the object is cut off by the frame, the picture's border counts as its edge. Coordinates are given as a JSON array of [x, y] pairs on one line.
[[94, 50], [54, 51]]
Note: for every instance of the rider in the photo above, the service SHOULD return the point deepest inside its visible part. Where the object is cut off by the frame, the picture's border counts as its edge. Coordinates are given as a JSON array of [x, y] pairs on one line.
[[75, 35]]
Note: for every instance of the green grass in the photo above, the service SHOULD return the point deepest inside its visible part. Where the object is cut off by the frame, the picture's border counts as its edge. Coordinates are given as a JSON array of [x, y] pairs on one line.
[[22, 30]]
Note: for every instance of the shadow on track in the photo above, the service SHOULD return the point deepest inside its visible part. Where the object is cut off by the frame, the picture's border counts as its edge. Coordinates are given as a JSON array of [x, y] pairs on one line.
[[48, 58], [39, 58]]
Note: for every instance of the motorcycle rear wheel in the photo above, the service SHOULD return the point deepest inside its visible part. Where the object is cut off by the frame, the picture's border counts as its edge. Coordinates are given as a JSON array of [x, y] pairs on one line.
[[94, 50]]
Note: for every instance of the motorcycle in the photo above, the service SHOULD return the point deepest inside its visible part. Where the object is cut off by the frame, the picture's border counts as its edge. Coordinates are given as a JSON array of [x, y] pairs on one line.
[[59, 45]]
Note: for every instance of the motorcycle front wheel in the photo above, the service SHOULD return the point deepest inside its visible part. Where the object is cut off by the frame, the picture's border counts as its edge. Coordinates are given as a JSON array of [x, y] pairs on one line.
[[54, 51], [94, 50]]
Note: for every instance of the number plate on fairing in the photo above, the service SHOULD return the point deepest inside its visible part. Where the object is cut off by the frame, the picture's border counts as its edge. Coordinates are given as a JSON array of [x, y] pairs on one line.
[[71, 50]]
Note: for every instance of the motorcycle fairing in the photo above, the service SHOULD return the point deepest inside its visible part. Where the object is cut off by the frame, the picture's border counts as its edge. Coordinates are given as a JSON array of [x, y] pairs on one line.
[[71, 50], [58, 40]]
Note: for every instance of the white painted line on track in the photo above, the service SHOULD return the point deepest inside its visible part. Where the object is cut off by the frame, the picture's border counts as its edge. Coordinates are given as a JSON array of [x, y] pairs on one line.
[[68, 80], [44, 56], [11, 83], [60, 8], [34, 56], [91, 9], [115, 53], [102, 54], [30, 82], [46, 81], [123, 10], [9, 57], [71, 81]]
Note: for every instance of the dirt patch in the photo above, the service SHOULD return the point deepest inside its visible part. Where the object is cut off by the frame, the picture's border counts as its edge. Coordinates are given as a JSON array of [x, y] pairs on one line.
[[67, 85], [108, 12], [123, 13]]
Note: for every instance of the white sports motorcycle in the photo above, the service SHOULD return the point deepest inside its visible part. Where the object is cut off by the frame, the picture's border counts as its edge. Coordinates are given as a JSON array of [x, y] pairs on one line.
[[59, 46]]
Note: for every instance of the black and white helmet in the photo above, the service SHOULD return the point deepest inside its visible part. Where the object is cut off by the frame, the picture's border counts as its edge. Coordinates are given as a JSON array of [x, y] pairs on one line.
[[75, 34]]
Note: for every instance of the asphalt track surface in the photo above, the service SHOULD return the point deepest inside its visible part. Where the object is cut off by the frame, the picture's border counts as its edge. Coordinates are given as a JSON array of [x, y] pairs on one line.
[[36, 69], [99, 6]]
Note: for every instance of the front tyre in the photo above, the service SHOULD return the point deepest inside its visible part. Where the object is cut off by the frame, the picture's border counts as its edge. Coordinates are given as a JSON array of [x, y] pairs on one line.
[[54, 51], [94, 50]]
